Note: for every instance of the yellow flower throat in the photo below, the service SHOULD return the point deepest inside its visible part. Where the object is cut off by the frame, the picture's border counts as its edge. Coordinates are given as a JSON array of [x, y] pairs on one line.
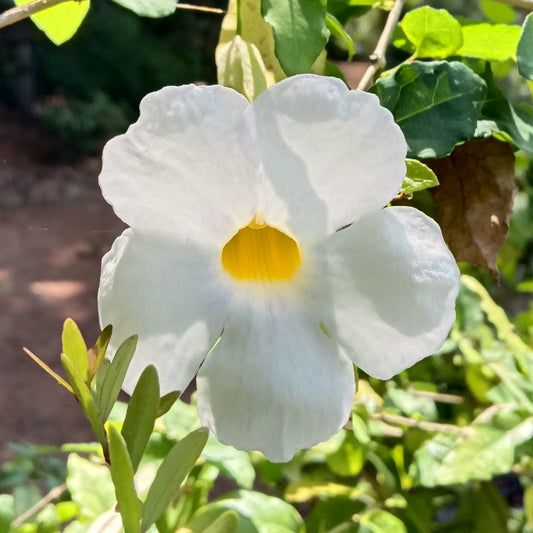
[[259, 252]]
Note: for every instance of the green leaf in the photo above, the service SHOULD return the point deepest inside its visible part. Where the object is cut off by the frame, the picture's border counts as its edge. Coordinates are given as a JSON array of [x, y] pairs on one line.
[[167, 401], [141, 414], [524, 52], [7, 512], [418, 178], [494, 42], [86, 399], [60, 22], [344, 10], [122, 475], [75, 349], [497, 11], [171, 473], [423, 96], [335, 28], [257, 513], [429, 32], [498, 115], [300, 32], [349, 458], [114, 377], [528, 505], [240, 66], [97, 353], [83, 477], [486, 450], [227, 522], [327, 514], [379, 521], [149, 8]]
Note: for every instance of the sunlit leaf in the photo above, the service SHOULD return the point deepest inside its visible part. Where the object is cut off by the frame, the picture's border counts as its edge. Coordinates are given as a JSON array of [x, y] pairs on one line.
[[75, 349], [419, 177], [498, 11], [335, 28], [300, 32], [149, 8], [227, 522], [60, 22], [495, 42], [524, 52], [122, 475], [97, 352], [424, 96], [7, 512], [429, 32], [380, 521]]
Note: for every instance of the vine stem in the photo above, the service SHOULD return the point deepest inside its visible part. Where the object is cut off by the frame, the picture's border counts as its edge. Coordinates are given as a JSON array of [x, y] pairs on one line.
[[18, 13], [522, 4], [377, 57]]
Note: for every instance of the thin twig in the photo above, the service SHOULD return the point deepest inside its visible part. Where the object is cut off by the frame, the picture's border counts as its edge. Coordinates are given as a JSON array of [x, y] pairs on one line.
[[203, 9], [378, 56], [420, 424], [437, 396], [21, 12], [41, 504], [523, 4]]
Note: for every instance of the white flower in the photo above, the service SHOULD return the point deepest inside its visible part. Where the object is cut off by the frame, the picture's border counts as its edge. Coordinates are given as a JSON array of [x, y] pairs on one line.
[[263, 224]]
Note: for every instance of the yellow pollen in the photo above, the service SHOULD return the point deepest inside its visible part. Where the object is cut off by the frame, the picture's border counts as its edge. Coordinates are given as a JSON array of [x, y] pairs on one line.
[[259, 252]]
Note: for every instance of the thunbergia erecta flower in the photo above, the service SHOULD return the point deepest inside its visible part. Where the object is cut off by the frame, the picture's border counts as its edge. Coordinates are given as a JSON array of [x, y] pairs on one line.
[[263, 226]]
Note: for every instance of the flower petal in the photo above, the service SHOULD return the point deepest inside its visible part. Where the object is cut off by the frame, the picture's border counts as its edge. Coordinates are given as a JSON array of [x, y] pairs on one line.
[[275, 382], [181, 169], [168, 295], [394, 284], [329, 155]]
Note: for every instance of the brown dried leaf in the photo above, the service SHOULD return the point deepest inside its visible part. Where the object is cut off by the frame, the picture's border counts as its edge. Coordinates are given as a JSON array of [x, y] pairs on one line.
[[475, 200]]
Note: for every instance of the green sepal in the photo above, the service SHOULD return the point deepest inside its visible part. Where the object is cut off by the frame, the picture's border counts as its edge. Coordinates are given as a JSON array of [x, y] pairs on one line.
[[173, 470], [84, 396], [141, 414], [114, 377], [122, 475]]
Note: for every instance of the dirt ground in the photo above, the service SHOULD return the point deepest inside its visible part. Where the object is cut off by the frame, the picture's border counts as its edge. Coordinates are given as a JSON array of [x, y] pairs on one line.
[[54, 229]]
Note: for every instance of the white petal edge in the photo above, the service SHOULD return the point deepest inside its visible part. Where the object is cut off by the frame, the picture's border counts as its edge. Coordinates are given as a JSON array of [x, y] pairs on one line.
[[389, 289], [275, 382], [329, 155], [181, 168], [168, 295]]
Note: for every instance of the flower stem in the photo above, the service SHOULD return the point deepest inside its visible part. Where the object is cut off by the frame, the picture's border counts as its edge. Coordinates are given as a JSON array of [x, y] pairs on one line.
[[377, 57]]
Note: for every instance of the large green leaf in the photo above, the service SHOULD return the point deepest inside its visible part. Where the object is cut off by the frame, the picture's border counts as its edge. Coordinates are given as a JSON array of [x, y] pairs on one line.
[[122, 475], [524, 52], [429, 32], [495, 42], [498, 115], [60, 22], [141, 414], [418, 177], [435, 104], [149, 8], [486, 450], [258, 513], [173, 470], [300, 32]]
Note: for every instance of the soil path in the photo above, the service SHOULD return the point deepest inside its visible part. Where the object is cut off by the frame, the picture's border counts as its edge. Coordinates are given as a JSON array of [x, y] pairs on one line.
[[54, 229]]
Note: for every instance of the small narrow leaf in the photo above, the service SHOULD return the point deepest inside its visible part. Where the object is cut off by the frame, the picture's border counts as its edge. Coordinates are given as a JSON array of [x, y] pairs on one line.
[[75, 349], [49, 371], [300, 32], [122, 475], [335, 28], [167, 401], [114, 377], [60, 22], [171, 473], [86, 399], [97, 352], [524, 52], [418, 178], [141, 414]]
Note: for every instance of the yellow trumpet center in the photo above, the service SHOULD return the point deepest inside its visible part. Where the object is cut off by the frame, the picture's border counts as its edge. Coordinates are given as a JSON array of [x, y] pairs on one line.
[[259, 252]]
